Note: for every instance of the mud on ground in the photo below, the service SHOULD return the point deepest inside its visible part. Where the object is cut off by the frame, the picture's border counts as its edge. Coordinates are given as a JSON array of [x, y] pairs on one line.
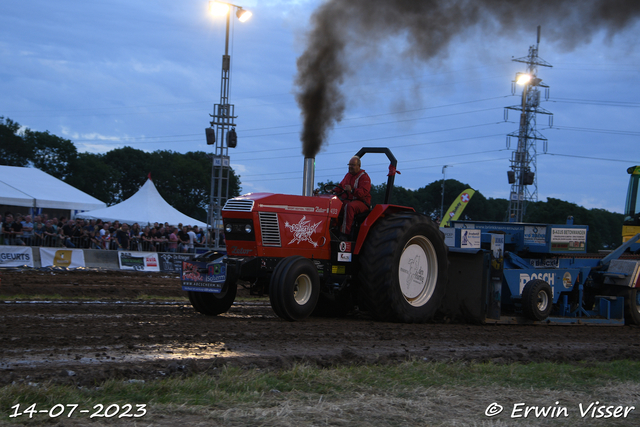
[[111, 333]]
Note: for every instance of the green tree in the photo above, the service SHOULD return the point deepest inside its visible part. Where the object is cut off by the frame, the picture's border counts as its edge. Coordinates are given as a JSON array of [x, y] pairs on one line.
[[14, 150], [51, 154], [90, 173], [132, 166], [604, 227]]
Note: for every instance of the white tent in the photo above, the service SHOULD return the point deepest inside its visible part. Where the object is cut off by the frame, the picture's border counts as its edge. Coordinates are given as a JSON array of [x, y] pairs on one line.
[[145, 207], [32, 188]]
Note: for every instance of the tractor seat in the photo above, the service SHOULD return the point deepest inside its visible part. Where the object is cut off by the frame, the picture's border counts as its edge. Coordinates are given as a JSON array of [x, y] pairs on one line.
[[359, 218]]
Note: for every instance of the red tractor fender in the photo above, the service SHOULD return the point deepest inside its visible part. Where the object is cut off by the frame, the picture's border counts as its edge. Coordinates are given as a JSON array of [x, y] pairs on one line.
[[378, 211]]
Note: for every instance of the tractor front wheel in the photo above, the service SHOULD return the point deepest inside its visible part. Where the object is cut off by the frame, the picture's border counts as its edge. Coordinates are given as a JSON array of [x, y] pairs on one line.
[[212, 304], [294, 288], [403, 268]]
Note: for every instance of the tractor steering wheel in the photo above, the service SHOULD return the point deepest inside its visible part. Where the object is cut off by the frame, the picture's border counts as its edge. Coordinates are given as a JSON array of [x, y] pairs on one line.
[[328, 189]]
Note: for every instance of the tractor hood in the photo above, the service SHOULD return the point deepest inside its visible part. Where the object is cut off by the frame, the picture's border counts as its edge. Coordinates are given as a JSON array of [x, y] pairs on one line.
[[269, 202]]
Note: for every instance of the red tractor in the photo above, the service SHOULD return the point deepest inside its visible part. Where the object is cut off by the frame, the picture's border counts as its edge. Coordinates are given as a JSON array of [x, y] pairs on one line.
[[287, 246]]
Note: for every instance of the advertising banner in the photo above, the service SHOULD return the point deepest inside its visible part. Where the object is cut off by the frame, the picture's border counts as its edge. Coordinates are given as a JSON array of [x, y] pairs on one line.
[[568, 239], [200, 276], [172, 262], [139, 261], [16, 256], [61, 257], [456, 208]]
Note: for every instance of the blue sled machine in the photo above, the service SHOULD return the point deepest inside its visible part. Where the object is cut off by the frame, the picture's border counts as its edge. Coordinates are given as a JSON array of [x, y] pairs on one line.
[[538, 273]]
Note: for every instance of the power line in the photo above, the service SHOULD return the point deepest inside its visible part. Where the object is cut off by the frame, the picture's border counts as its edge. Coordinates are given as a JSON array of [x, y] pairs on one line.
[[403, 161], [593, 158], [385, 138], [591, 130], [144, 138], [595, 102], [385, 123]]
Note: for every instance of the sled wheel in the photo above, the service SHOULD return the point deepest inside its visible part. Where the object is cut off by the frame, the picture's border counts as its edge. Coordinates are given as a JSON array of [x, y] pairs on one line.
[[537, 300], [213, 304], [403, 268], [632, 306], [294, 288]]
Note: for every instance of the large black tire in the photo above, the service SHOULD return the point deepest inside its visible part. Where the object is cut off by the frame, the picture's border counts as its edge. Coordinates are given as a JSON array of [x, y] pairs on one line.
[[213, 304], [294, 288], [403, 268], [537, 300], [632, 306]]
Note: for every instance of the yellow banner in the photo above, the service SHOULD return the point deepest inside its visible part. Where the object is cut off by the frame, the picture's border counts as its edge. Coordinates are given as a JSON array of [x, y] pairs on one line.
[[457, 207]]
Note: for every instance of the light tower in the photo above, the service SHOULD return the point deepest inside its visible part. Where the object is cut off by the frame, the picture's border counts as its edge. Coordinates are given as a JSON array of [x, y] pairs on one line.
[[222, 133], [523, 171]]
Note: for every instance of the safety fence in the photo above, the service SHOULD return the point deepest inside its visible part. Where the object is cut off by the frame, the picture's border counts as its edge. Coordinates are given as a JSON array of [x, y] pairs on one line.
[[42, 257]]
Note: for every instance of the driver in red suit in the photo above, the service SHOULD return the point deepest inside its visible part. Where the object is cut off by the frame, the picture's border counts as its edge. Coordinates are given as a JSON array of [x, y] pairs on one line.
[[356, 197]]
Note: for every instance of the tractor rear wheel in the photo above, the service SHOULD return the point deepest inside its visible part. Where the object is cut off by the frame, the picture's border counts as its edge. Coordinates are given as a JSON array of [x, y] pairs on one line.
[[212, 304], [537, 299], [294, 288], [403, 268], [632, 306]]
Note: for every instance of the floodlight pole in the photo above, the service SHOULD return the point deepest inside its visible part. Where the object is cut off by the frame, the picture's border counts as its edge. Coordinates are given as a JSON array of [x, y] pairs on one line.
[[222, 121]]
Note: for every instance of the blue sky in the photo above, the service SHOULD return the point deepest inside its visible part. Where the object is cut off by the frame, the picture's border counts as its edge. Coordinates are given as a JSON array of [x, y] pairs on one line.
[[146, 74]]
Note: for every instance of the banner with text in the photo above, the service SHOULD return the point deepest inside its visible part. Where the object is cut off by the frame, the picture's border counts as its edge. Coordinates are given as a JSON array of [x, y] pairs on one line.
[[172, 262], [140, 261], [16, 256], [62, 257]]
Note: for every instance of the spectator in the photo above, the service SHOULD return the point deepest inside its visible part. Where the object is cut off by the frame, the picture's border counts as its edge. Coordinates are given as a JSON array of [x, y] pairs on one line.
[[173, 240], [50, 234], [123, 238], [147, 240], [135, 237], [27, 230], [104, 230], [66, 232], [106, 239], [12, 231], [161, 240], [37, 220], [183, 238], [81, 237], [38, 234], [199, 237], [192, 240], [96, 240]]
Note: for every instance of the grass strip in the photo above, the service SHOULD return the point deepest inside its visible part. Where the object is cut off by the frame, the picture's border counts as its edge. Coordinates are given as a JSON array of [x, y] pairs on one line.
[[408, 393]]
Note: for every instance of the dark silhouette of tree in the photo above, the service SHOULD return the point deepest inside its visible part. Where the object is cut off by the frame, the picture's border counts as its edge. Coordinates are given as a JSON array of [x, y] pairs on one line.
[[14, 150]]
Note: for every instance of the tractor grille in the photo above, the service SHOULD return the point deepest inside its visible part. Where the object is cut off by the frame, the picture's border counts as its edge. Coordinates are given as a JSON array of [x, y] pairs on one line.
[[270, 229], [239, 205]]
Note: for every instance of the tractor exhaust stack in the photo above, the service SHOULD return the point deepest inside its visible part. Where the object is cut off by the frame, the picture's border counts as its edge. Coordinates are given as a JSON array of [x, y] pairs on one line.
[[308, 176]]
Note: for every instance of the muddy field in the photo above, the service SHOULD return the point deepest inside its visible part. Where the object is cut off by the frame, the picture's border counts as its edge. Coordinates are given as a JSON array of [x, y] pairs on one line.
[[112, 333]]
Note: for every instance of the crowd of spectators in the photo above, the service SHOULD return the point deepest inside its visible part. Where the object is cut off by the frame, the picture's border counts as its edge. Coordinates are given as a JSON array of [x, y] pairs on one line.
[[19, 230]]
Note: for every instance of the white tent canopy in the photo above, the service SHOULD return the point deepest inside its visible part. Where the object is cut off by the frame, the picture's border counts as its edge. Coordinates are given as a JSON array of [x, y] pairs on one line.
[[145, 207], [30, 187]]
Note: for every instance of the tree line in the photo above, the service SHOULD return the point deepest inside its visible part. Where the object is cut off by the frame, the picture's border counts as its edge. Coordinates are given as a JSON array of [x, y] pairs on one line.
[[183, 180], [605, 228]]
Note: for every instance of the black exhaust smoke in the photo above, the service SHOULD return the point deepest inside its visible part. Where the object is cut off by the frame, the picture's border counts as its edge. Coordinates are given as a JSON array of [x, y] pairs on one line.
[[430, 26]]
